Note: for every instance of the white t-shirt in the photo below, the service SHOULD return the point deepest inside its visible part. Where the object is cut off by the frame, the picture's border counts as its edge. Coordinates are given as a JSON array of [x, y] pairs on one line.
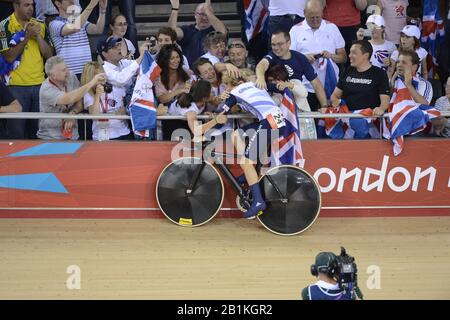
[[380, 52], [114, 101], [176, 110], [282, 7], [443, 104], [130, 47], [421, 52], [308, 41]]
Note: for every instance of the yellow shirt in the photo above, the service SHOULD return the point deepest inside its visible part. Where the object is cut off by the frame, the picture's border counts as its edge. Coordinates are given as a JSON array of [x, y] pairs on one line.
[[30, 72]]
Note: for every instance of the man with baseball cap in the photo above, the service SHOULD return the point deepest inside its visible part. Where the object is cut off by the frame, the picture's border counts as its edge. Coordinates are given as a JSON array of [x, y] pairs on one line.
[[119, 71], [325, 269]]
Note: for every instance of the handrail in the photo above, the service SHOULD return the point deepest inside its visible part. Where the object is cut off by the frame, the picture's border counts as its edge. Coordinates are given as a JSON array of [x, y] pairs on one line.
[[83, 116]]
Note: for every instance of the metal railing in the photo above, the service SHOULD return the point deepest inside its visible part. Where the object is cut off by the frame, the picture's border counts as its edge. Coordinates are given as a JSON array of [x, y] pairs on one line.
[[85, 117]]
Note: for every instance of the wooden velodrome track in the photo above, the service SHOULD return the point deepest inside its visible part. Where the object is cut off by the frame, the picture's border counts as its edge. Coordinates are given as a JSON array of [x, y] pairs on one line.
[[224, 259]]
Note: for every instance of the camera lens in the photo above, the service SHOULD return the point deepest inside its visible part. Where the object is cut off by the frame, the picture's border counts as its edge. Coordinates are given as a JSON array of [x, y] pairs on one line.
[[108, 87]]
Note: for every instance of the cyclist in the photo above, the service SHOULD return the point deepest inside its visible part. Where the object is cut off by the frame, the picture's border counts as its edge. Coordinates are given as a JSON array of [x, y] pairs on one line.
[[259, 103]]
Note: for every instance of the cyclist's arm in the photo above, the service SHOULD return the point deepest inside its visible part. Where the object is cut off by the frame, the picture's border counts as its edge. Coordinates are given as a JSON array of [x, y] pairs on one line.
[[229, 102]]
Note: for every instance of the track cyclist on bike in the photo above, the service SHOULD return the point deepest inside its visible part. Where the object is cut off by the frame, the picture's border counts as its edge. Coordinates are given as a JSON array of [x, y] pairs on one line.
[[259, 103]]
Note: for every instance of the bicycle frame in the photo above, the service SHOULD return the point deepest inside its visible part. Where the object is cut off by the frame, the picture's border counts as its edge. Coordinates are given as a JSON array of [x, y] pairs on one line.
[[226, 172]]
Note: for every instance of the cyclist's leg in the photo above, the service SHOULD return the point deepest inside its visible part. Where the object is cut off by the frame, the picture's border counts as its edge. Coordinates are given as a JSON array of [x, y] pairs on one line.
[[247, 163]]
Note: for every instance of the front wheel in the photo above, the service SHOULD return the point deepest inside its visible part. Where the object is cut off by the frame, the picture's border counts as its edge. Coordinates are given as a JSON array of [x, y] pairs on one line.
[[295, 206], [183, 205]]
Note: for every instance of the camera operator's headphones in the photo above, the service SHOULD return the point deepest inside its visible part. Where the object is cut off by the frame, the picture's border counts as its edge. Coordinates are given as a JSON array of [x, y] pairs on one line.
[[326, 262]]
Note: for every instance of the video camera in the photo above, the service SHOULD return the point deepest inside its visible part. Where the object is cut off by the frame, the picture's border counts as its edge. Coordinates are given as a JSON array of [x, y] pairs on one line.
[[346, 274]]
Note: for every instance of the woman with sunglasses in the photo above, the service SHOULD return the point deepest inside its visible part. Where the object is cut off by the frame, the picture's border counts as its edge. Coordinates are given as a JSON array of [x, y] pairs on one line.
[[118, 28]]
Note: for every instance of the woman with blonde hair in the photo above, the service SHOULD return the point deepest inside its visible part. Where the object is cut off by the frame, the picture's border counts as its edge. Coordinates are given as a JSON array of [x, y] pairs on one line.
[[104, 99]]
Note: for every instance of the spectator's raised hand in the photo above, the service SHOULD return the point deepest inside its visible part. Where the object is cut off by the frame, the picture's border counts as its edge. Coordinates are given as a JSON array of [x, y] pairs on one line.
[[175, 4], [68, 125], [162, 110], [232, 70], [144, 47], [360, 34], [408, 76], [99, 89], [187, 86], [98, 79], [208, 7], [378, 111], [326, 54], [36, 29], [103, 4], [281, 85], [221, 118], [32, 30], [92, 4], [224, 95], [261, 83]]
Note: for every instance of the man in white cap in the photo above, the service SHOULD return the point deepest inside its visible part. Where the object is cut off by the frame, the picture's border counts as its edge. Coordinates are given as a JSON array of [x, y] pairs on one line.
[[382, 49]]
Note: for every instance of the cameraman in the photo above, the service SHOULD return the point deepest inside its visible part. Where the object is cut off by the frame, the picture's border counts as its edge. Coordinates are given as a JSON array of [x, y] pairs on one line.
[[327, 288]]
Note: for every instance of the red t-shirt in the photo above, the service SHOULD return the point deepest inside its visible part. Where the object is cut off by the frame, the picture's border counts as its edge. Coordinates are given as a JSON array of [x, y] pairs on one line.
[[342, 13]]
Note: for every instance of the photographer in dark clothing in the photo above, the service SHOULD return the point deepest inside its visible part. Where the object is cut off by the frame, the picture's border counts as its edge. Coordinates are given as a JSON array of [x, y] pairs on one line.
[[326, 288], [337, 278]]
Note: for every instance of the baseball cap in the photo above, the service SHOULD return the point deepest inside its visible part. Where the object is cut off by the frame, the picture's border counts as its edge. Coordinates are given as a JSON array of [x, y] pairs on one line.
[[107, 43], [411, 31], [324, 260], [376, 19]]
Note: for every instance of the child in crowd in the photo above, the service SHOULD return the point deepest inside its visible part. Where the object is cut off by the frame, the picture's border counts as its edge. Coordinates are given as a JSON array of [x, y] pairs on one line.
[[410, 40]]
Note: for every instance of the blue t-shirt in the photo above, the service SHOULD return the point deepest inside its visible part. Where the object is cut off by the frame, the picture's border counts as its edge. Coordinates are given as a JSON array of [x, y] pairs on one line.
[[192, 42], [297, 66]]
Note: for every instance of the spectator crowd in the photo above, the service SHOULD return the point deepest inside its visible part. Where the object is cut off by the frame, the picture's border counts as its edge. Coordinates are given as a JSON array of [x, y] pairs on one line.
[[76, 56]]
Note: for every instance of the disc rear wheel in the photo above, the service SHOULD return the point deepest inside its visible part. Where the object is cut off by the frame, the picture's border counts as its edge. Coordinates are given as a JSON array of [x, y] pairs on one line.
[[299, 206]]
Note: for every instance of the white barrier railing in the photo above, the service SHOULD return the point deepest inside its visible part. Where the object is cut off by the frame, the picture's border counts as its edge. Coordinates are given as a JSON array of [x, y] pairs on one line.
[[84, 116]]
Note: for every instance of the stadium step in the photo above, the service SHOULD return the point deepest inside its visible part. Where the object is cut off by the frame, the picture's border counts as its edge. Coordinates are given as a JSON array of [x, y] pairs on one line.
[[151, 17]]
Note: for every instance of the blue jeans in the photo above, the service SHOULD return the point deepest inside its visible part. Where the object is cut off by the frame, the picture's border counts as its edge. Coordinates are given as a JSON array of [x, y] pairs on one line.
[[28, 96]]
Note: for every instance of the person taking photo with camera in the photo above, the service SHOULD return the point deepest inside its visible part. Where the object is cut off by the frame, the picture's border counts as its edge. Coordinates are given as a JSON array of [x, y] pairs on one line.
[[104, 99], [61, 93]]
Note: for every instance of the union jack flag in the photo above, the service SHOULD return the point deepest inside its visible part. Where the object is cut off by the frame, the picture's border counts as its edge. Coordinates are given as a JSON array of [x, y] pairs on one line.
[[142, 106], [350, 128], [406, 116], [287, 149], [432, 33], [256, 17]]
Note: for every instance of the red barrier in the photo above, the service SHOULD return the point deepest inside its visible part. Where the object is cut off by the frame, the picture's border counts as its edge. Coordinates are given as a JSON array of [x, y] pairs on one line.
[[117, 179]]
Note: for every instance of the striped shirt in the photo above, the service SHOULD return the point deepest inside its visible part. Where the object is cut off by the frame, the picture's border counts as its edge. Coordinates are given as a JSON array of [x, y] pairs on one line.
[[251, 99], [74, 48]]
